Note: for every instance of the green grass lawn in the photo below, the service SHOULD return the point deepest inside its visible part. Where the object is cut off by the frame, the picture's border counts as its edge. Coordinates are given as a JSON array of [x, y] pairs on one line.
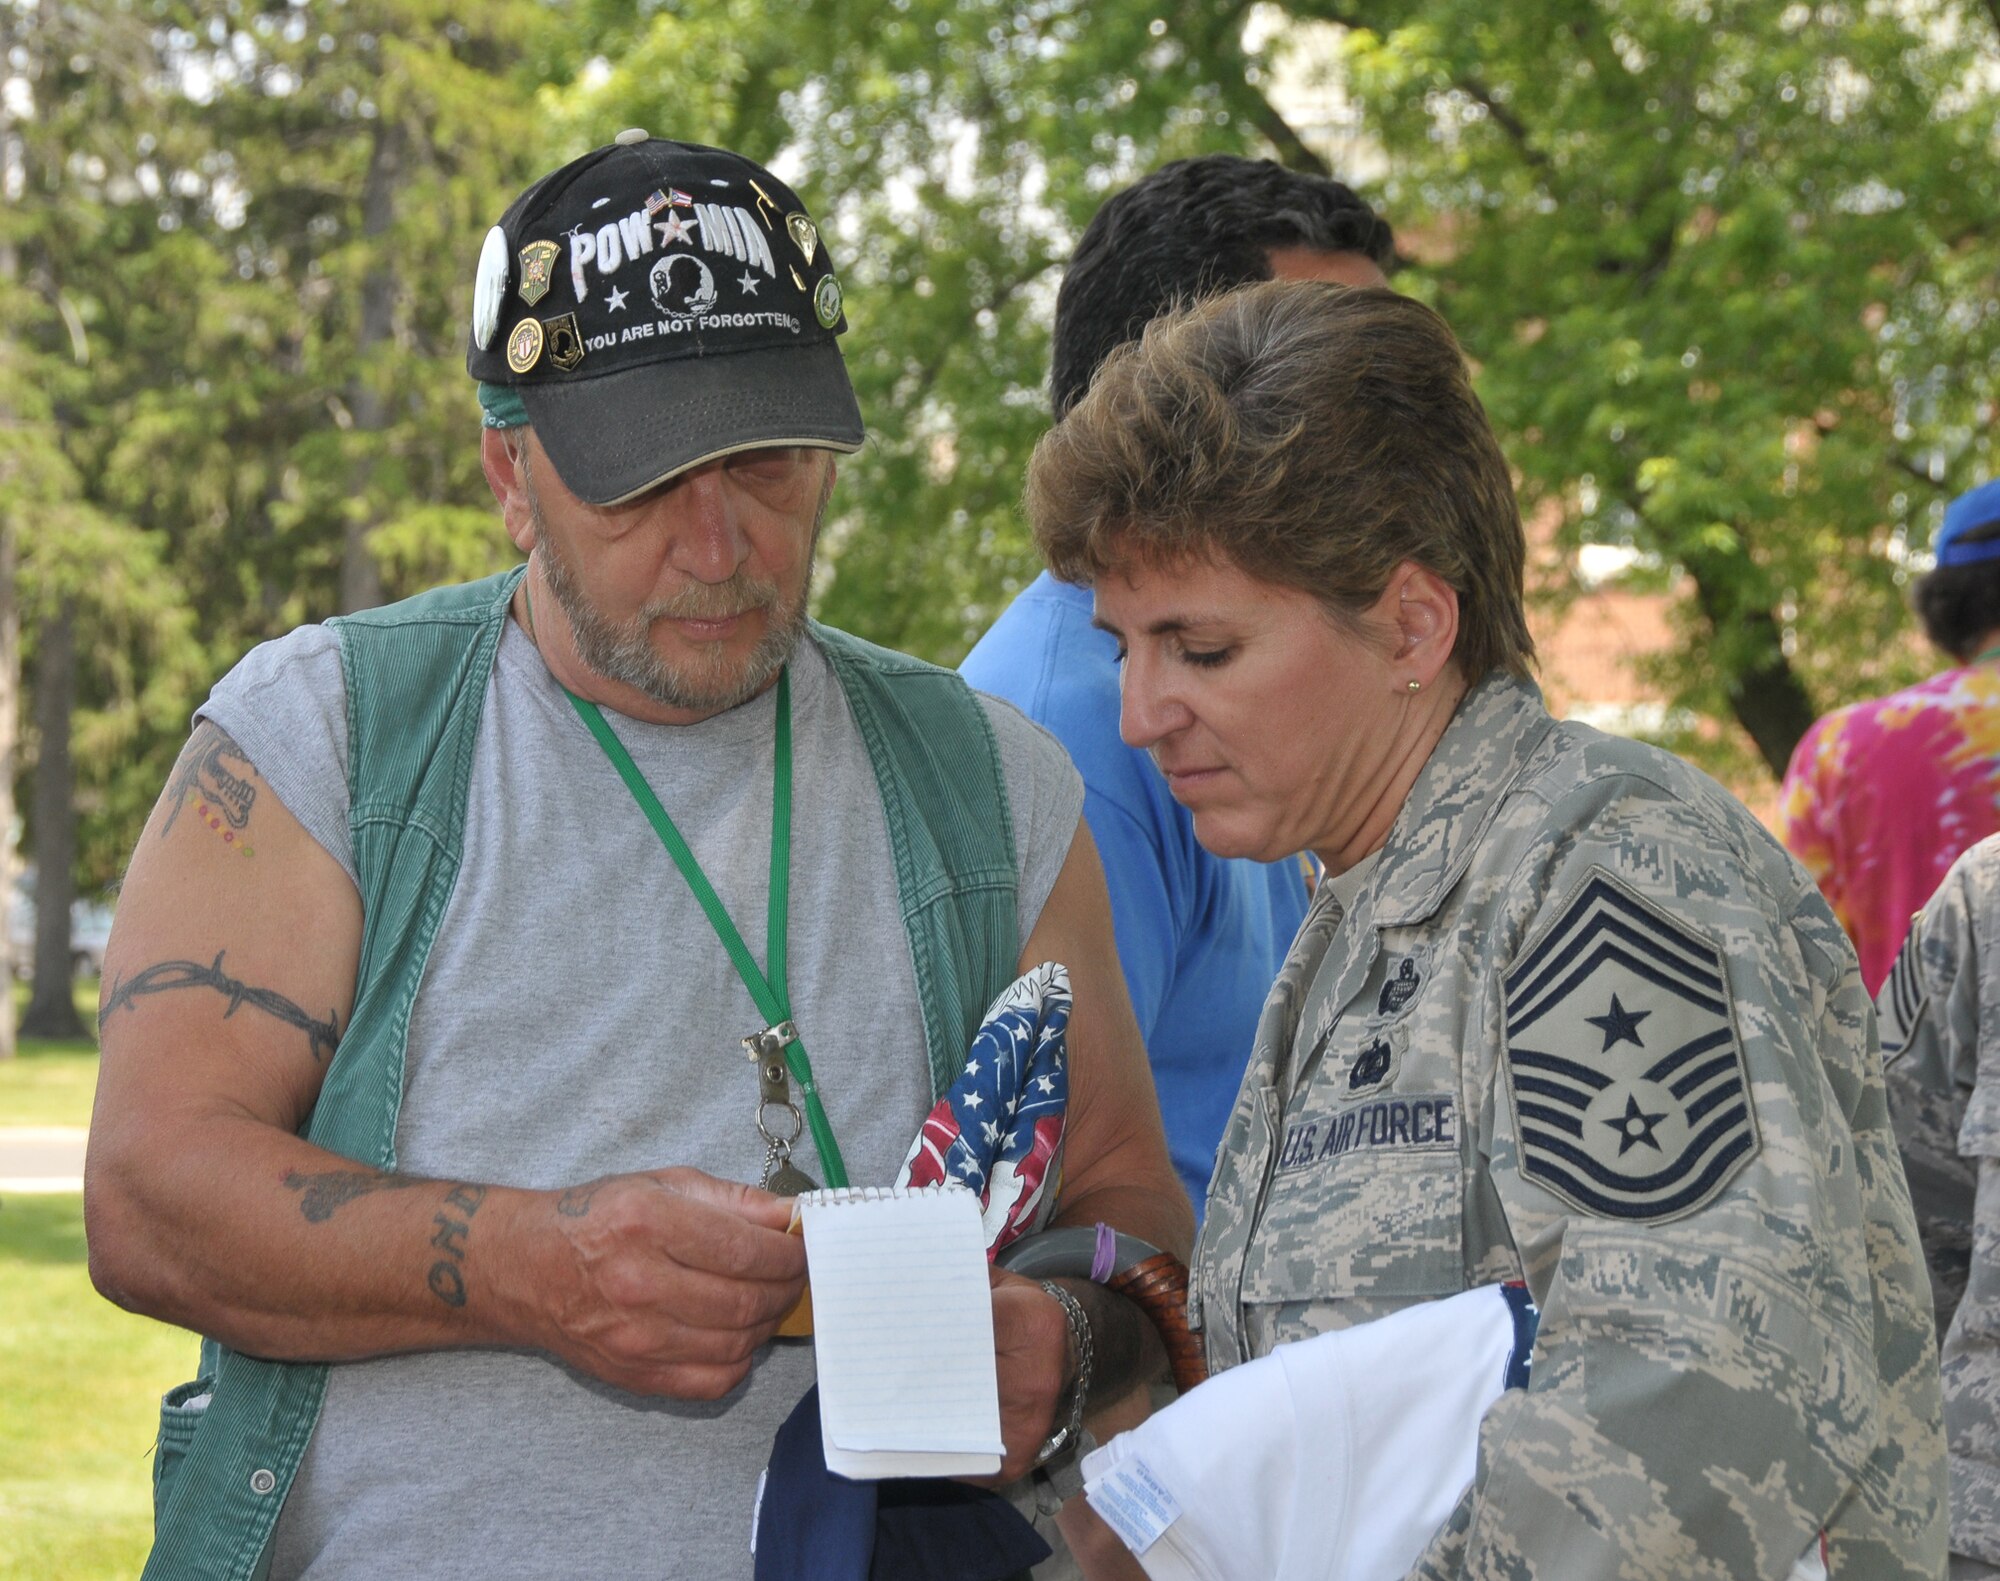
[[81, 1383], [51, 1083], [80, 1380]]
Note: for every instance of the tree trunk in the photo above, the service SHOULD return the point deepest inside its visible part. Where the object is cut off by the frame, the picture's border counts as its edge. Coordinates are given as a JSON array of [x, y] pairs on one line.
[[10, 694], [52, 1010], [360, 577], [1768, 698]]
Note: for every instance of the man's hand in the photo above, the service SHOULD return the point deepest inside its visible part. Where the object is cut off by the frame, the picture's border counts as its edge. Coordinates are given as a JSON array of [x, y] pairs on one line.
[[1031, 1344], [669, 1281]]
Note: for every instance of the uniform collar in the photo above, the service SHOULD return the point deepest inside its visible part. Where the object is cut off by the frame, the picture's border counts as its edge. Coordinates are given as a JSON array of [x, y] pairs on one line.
[[1495, 730]]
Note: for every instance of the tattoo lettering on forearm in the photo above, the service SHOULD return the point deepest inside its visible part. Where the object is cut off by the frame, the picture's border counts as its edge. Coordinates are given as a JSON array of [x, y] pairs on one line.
[[322, 1037], [223, 796], [326, 1194], [575, 1202], [454, 1224]]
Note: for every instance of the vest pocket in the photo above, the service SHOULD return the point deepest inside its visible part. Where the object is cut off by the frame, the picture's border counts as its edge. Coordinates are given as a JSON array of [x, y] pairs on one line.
[[181, 1410]]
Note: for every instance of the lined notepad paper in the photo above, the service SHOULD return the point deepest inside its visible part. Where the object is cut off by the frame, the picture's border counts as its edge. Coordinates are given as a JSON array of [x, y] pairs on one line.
[[902, 1332]]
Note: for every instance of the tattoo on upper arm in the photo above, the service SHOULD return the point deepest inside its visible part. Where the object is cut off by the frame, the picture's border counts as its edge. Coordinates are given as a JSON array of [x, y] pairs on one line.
[[222, 797], [322, 1037]]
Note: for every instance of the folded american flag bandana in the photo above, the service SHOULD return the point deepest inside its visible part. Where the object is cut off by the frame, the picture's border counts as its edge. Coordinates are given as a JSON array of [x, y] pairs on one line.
[[999, 1129]]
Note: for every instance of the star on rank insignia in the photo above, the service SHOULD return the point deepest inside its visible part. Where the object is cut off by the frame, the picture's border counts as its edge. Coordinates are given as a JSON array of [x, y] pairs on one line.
[[1901, 1004], [1629, 1087]]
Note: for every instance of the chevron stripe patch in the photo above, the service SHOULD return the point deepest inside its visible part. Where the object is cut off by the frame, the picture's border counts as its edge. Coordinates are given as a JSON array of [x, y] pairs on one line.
[[1629, 1088], [1900, 1005]]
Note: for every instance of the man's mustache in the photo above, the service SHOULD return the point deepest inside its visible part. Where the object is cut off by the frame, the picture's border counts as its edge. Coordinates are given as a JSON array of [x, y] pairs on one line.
[[713, 600]]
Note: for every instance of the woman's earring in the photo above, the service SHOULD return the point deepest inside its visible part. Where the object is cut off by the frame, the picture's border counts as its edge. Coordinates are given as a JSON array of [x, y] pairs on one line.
[[1416, 686]]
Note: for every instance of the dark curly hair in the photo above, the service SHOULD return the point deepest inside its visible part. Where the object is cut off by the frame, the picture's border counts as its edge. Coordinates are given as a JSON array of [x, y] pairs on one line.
[[1190, 228], [1960, 604]]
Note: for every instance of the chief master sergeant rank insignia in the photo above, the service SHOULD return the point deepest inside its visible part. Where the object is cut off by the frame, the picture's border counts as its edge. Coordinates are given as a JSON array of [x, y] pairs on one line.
[[1629, 1087]]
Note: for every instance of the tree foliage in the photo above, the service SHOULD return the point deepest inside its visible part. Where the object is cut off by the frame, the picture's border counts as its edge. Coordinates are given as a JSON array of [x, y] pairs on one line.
[[1729, 273], [1726, 269]]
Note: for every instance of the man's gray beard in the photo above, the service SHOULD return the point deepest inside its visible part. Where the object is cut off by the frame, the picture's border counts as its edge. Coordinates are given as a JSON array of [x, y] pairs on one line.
[[623, 651]]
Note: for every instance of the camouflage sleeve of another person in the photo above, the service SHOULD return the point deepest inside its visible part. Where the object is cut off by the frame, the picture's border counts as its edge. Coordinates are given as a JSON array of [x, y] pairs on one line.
[[1942, 1060], [1679, 1107]]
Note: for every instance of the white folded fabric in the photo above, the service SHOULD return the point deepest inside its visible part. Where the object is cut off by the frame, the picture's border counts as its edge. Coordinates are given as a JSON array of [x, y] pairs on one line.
[[1336, 1456]]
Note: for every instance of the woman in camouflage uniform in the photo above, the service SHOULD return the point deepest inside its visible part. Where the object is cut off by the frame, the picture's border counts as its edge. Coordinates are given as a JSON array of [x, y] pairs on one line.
[[1561, 1011]]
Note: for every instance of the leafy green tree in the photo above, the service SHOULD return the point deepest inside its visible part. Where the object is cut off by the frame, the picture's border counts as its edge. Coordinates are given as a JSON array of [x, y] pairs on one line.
[[952, 151], [319, 401], [1727, 269], [76, 78], [237, 244]]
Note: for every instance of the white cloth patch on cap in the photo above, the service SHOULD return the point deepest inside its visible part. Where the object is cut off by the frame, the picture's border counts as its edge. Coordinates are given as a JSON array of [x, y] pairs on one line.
[[488, 287]]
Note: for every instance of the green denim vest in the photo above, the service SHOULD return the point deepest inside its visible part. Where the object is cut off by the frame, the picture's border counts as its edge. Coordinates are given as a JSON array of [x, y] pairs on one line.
[[416, 676]]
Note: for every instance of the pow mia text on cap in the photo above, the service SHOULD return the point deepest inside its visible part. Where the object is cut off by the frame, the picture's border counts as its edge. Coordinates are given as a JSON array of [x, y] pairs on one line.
[[658, 304]]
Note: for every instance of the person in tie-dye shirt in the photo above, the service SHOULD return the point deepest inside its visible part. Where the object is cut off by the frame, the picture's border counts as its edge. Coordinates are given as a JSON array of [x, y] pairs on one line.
[[1881, 797]]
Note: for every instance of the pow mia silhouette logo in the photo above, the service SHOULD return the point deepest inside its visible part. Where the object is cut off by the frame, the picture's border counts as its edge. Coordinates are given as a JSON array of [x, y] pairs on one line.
[[1904, 997], [689, 296], [1627, 1077]]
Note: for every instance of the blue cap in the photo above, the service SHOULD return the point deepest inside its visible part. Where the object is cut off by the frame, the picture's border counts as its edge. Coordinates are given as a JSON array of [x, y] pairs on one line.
[[1968, 513]]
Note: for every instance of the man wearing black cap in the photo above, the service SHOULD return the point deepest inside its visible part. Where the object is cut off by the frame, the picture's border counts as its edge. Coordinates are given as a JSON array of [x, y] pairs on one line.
[[424, 1092]]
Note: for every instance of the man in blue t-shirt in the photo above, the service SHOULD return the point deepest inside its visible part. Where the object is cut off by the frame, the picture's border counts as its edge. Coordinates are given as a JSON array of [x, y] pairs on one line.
[[1200, 938]]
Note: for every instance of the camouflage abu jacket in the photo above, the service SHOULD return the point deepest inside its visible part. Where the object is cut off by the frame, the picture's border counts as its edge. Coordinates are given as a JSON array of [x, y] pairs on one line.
[[1940, 1014], [1588, 1025]]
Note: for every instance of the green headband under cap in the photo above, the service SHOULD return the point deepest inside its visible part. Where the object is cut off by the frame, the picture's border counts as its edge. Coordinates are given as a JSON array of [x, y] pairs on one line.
[[500, 406]]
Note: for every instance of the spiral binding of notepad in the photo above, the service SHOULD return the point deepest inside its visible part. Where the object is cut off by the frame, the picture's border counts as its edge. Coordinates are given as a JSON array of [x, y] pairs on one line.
[[840, 1196]]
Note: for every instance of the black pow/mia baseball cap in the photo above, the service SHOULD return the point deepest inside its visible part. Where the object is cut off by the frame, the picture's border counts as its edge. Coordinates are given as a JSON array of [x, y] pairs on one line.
[[655, 305]]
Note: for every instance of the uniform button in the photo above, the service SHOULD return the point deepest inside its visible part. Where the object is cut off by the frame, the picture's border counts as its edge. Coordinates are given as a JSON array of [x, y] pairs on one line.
[[261, 1481], [632, 134]]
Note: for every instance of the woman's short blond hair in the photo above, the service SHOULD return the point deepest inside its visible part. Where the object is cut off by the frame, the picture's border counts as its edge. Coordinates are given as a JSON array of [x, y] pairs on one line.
[[1314, 436]]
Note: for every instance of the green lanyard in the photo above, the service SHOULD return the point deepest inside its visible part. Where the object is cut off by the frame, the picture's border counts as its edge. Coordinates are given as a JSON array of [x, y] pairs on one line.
[[773, 1000]]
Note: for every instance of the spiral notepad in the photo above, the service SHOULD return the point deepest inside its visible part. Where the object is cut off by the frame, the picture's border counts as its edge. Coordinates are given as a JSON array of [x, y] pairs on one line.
[[902, 1332]]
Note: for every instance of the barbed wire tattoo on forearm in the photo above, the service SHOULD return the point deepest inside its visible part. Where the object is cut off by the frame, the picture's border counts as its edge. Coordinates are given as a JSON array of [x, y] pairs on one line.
[[322, 1037]]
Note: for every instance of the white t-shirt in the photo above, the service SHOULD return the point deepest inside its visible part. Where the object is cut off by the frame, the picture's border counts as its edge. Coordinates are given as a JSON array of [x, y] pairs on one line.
[[579, 1017]]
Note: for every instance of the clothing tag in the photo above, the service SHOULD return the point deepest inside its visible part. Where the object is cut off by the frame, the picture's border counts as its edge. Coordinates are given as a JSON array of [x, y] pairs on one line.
[[1134, 1503]]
